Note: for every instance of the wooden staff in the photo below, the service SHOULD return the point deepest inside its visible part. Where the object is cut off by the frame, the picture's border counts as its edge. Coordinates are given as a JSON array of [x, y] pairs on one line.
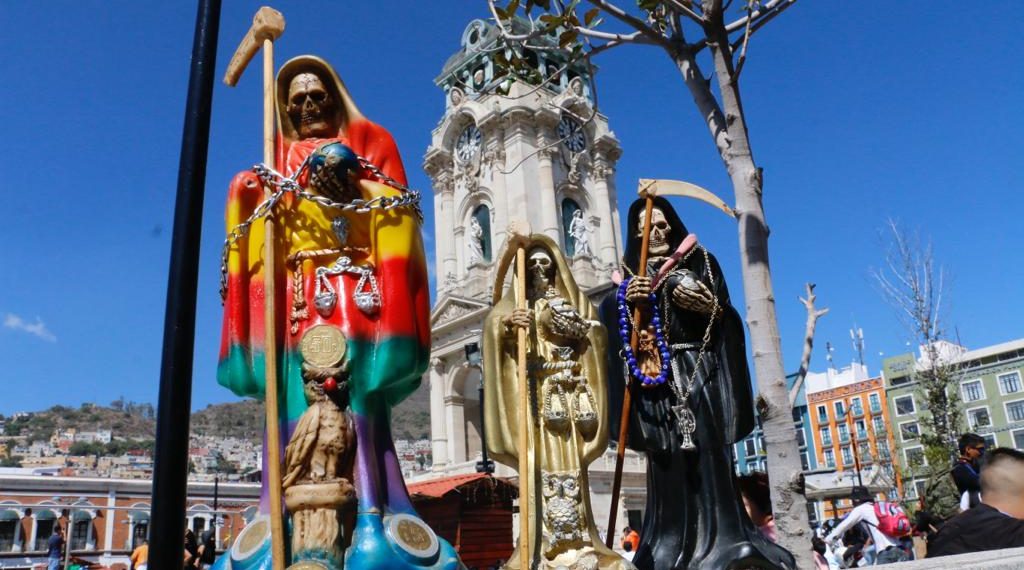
[[647, 191], [267, 25], [525, 528]]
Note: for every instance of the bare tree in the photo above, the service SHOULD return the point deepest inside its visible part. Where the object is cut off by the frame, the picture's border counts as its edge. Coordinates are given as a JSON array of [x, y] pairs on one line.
[[914, 284], [684, 29], [805, 359]]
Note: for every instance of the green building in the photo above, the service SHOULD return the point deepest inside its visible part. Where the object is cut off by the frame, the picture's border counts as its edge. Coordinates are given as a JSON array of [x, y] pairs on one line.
[[991, 394]]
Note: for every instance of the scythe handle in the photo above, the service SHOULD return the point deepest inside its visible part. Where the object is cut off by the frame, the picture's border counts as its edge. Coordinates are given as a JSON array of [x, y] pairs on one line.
[[627, 396], [267, 25]]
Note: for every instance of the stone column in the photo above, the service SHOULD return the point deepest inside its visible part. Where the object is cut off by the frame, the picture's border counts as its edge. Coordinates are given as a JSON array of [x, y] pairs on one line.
[[494, 159], [438, 165], [549, 210], [108, 529], [607, 252], [438, 427], [445, 221], [455, 417]]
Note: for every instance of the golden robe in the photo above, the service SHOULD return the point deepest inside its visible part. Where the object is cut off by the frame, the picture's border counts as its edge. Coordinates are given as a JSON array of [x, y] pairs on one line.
[[567, 428]]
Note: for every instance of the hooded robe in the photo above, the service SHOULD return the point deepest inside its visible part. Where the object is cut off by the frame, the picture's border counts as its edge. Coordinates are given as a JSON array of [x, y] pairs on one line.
[[387, 352], [556, 455], [694, 516]]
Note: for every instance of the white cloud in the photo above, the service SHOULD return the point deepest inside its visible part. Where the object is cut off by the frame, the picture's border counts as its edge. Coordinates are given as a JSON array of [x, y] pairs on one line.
[[37, 328]]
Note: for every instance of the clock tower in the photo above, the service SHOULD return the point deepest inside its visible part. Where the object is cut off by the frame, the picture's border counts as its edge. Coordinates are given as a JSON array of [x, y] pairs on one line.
[[532, 148]]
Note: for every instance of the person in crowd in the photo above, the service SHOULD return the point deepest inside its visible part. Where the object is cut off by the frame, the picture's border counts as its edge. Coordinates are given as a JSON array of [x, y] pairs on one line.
[[998, 520], [55, 548], [926, 524], [140, 556], [628, 547], [207, 550], [757, 500], [824, 558], [630, 536], [965, 469], [887, 548], [191, 549]]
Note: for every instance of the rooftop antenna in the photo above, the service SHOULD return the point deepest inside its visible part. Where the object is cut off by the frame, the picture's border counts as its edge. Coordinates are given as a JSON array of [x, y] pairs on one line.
[[857, 337], [828, 354]]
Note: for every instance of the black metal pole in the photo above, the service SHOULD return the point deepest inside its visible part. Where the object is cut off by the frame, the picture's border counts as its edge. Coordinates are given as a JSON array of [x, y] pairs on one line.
[[170, 469], [485, 465]]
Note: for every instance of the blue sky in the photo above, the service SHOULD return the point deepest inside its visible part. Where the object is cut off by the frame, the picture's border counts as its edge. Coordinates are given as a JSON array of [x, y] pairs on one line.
[[856, 115]]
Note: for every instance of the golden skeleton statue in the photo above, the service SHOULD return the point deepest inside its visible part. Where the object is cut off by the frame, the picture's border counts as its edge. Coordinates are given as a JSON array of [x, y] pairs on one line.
[[567, 427]]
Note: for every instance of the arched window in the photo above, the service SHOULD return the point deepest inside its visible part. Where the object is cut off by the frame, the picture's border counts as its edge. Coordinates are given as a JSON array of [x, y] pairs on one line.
[[80, 531], [10, 528], [569, 209], [139, 522], [482, 217], [46, 521]]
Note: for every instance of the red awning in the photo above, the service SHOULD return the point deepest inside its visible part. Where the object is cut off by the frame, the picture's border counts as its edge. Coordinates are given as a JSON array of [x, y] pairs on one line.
[[437, 488]]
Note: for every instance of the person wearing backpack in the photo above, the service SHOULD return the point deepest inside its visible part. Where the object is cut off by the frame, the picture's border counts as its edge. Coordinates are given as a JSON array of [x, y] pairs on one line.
[[887, 523]]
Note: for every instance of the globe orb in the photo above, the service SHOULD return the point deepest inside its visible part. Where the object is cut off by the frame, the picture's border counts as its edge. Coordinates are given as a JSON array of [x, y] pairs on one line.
[[331, 167]]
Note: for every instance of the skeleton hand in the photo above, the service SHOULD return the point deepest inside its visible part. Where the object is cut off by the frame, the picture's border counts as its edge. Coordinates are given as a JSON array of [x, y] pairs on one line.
[[693, 295], [639, 289], [519, 318]]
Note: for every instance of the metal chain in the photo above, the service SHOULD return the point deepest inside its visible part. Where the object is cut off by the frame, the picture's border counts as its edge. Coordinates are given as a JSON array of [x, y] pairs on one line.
[[683, 394], [273, 179]]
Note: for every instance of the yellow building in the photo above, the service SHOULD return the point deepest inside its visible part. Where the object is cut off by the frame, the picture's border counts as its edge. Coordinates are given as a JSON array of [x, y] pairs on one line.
[[851, 430]]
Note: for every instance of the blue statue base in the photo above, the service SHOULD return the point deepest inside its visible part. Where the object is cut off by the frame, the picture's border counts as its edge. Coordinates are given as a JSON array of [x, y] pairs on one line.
[[379, 542]]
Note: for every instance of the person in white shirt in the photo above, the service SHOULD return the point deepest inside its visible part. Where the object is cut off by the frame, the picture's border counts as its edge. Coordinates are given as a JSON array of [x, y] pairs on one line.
[[886, 548]]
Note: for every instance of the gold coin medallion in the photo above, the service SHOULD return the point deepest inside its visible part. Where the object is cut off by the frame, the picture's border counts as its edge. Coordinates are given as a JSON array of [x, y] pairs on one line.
[[413, 535], [257, 532], [323, 346]]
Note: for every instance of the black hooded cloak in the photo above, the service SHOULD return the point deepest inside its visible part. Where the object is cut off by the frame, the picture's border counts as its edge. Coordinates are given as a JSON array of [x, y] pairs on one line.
[[694, 517]]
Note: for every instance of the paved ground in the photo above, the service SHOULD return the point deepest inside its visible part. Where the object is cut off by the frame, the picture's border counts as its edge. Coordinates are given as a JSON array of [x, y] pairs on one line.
[[1009, 559]]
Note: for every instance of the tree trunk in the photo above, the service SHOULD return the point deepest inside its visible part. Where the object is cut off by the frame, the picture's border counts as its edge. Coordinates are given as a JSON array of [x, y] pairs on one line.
[[729, 132]]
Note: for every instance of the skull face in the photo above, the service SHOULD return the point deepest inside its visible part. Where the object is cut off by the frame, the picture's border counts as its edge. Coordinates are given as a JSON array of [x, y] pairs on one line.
[[311, 107], [541, 270], [658, 245]]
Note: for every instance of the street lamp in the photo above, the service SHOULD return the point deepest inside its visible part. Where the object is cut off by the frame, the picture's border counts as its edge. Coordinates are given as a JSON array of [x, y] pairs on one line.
[[474, 359]]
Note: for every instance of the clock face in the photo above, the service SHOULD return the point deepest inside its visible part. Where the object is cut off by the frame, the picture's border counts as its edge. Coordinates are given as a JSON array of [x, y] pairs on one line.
[[468, 144], [571, 133]]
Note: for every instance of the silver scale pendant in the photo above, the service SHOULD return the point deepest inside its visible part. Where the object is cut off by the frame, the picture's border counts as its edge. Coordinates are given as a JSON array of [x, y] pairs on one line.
[[366, 295], [687, 425]]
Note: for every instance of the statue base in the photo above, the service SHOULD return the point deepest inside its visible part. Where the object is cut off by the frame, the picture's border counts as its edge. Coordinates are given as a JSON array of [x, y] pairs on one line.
[[316, 510], [398, 542]]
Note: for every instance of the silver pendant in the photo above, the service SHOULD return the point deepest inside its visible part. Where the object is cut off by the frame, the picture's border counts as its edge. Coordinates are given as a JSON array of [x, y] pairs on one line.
[[368, 303], [687, 425], [340, 227], [367, 295], [325, 301]]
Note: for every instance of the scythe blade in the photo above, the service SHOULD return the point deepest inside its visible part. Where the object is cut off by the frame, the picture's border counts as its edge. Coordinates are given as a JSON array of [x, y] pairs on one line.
[[679, 188]]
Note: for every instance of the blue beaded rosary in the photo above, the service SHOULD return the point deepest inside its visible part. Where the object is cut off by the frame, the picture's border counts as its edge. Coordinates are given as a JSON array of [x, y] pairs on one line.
[[625, 332]]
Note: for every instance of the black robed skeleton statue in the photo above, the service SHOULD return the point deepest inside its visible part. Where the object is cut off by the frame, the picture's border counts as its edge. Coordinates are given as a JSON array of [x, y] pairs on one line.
[[691, 403]]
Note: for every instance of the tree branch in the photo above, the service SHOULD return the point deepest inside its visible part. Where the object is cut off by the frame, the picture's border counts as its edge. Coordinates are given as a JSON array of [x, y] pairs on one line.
[[760, 16], [630, 20], [805, 360], [680, 8]]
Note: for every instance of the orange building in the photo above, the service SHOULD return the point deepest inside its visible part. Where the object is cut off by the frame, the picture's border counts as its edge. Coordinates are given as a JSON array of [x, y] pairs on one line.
[[851, 429]]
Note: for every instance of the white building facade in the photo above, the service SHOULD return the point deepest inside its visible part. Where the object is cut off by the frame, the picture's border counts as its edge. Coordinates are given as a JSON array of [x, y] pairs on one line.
[[509, 151]]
